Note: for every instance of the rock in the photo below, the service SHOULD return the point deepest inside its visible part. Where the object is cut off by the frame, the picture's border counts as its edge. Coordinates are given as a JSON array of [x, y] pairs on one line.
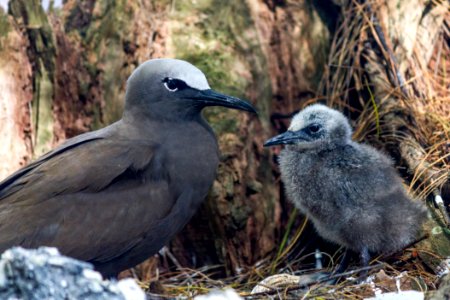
[[275, 282], [45, 274], [282, 281]]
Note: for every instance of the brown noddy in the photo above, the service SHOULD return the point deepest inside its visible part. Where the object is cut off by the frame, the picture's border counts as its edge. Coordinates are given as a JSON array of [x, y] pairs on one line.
[[351, 192], [115, 196]]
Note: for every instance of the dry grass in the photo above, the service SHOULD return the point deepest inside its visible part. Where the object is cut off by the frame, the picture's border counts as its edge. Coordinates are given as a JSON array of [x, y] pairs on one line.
[[186, 283]]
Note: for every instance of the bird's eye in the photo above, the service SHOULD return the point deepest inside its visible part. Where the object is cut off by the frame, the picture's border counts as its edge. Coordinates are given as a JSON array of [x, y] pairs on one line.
[[313, 128], [173, 85]]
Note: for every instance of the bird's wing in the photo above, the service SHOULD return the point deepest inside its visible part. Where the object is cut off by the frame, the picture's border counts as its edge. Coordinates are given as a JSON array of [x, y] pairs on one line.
[[372, 207], [365, 174], [86, 198], [10, 184]]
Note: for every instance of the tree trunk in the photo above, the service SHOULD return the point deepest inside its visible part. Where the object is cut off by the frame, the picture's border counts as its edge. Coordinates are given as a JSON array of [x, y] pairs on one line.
[[15, 98]]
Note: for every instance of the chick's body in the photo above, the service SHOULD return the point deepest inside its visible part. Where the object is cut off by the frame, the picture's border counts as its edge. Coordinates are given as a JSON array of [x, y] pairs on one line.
[[351, 192], [353, 196]]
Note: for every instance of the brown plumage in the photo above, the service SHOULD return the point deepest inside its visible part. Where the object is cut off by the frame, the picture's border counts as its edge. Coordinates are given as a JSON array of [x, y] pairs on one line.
[[115, 196]]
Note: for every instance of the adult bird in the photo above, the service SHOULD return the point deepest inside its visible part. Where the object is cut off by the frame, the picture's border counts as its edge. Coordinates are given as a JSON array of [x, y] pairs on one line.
[[115, 196], [351, 192]]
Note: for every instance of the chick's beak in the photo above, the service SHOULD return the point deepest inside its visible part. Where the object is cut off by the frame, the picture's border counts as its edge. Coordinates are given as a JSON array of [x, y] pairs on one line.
[[286, 138]]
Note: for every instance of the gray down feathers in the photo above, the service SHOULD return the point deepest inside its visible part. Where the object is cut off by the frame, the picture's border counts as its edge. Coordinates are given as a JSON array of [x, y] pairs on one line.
[[351, 192]]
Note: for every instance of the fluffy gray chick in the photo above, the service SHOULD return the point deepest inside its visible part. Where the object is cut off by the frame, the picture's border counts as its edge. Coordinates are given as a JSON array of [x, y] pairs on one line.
[[351, 192]]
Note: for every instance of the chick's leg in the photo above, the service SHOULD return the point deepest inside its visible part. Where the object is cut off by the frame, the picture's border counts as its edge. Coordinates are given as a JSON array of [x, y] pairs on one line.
[[365, 258], [343, 264]]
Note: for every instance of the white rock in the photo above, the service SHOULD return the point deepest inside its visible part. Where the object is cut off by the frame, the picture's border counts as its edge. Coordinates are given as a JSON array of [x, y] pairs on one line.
[[130, 289]]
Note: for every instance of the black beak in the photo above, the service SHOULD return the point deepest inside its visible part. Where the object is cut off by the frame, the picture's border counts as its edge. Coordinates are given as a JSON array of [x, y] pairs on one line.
[[288, 137], [213, 98]]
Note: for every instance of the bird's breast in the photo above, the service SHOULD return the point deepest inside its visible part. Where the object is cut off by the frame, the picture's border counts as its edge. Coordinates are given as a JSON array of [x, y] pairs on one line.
[[193, 158], [303, 178]]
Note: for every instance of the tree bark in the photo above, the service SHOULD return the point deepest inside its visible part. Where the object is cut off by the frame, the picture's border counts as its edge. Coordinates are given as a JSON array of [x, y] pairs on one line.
[[15, 97]]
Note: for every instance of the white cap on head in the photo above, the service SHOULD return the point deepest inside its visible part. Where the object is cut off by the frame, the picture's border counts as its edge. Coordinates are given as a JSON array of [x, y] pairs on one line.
[[174, 68]]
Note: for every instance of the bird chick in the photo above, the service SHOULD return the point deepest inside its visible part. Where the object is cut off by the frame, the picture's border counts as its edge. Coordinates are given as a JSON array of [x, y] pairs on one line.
[[351, 192]]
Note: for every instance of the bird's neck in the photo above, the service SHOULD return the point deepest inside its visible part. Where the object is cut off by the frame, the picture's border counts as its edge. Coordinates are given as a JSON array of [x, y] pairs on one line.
[[162, 113], [154, 122]]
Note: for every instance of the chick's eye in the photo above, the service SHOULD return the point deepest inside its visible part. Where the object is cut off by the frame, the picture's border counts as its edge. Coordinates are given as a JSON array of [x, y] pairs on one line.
[[173, 85], [313, 128]]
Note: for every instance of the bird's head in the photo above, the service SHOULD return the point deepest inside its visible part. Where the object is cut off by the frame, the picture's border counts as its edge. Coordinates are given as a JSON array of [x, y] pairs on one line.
[[172, 87], [315, 127]]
